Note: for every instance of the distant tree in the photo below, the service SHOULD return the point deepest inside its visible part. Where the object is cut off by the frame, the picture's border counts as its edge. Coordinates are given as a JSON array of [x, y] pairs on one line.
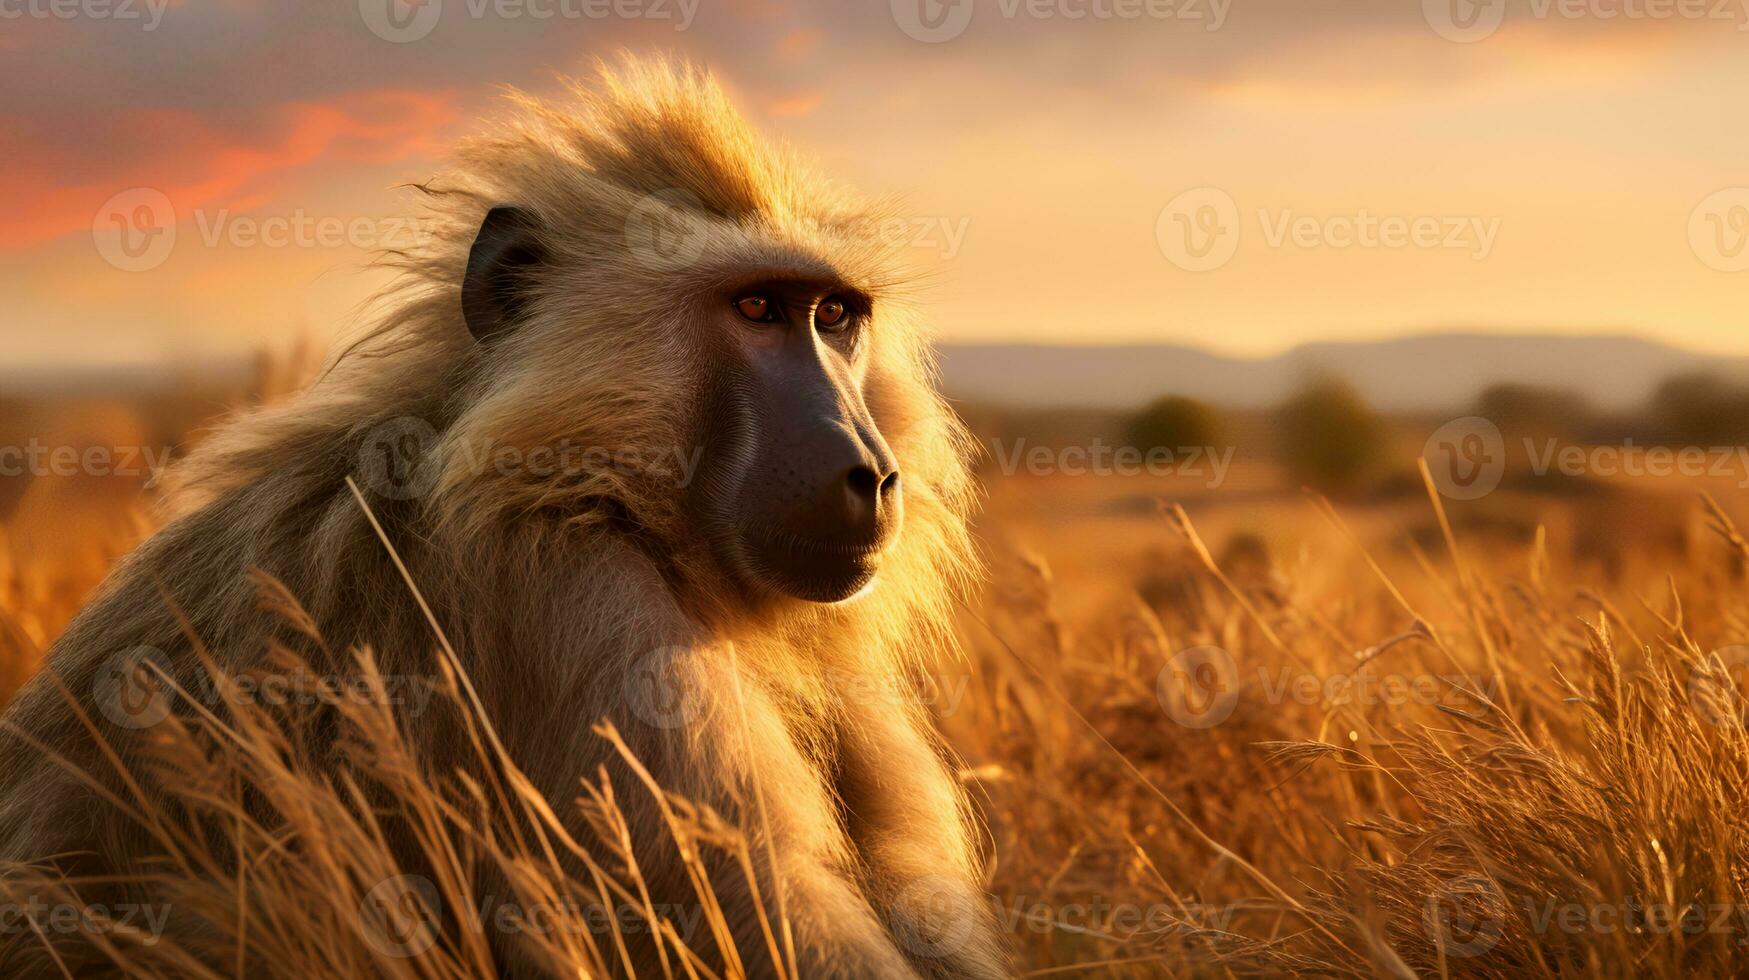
[[1329, 438], [1173, 423], [1535, 409], [1701, 409]]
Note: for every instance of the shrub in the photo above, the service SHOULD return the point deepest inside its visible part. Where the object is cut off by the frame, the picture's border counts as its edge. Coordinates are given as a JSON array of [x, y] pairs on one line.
[[1330, 439], [1174, 422]]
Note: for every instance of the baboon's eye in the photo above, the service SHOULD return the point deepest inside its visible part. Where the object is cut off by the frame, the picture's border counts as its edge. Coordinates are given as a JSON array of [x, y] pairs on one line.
[[755, 308], [830, 316]]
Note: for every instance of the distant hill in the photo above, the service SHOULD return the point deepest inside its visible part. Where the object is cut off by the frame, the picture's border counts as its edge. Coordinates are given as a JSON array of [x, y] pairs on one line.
[[1432, 372], [1428, 372]]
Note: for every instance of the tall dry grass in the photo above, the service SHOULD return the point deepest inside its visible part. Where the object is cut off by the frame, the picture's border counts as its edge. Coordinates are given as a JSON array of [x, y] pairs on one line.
[[1565, 797], [275, 863], [1192, 764]]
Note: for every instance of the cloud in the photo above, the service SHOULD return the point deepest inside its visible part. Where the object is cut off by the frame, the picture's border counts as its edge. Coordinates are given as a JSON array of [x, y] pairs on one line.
[[64, 169]]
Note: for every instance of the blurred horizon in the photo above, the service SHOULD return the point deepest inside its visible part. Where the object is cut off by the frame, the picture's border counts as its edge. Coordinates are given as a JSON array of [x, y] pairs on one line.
[[1238, 178]]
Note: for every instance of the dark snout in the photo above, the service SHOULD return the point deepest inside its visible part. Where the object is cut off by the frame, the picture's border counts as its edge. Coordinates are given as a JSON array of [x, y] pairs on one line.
[[838, 498], [825, 500], [850, 486]]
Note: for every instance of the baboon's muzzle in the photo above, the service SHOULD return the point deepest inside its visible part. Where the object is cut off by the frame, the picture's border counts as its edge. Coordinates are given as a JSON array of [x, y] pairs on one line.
[[824, 499]]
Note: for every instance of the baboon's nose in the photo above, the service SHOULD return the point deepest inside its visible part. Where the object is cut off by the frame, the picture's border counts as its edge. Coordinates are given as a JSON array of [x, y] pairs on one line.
[[870, 494]]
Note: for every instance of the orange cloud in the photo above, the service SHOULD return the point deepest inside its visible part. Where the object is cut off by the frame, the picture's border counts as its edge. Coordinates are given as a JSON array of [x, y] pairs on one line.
[[197, 162]]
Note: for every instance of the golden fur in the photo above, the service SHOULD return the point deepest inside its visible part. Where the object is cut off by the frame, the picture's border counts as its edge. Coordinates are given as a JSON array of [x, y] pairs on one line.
[[554, 584]]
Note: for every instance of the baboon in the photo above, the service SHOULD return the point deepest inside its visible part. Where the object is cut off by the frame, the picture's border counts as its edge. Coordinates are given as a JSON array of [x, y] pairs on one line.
[[771, 499]]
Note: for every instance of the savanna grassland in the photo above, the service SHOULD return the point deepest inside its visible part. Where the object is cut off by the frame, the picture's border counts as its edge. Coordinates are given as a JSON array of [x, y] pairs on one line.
[[1213, 727]]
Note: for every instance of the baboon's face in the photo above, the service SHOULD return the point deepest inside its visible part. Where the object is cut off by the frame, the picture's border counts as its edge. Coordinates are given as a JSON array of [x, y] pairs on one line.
[[797, 493], [800, 493]]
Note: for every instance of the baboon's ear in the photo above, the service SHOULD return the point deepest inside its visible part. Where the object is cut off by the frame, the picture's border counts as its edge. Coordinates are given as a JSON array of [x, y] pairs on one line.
[[495, 287]]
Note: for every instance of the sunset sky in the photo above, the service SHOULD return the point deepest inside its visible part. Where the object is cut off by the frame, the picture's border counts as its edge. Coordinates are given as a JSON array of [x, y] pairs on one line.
[[1537, 166]]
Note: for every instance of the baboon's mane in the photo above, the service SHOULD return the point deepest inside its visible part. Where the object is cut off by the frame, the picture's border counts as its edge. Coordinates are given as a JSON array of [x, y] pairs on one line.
[[593, 363]]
